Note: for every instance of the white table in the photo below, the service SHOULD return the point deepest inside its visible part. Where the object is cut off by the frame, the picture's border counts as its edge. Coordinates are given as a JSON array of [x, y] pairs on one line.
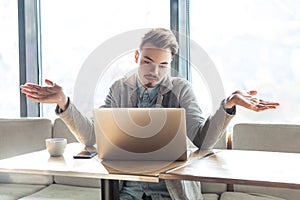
[[258, 168], [110, 172]]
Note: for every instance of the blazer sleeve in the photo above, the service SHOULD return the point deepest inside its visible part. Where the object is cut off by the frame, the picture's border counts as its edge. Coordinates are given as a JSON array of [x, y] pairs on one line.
[[203, 132], [81, 126]]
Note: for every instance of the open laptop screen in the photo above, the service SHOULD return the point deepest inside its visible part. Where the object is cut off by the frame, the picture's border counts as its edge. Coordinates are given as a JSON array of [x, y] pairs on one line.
[[141, 133]]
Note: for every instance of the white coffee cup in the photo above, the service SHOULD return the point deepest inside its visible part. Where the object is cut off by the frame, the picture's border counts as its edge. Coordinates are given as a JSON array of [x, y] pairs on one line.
[[56, 146]]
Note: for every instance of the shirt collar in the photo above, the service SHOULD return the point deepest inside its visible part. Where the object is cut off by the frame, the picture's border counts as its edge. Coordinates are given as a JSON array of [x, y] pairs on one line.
[[152, 91]]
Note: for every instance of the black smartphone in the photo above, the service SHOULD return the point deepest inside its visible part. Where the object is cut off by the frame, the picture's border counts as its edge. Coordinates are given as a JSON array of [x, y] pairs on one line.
[[85, 154]]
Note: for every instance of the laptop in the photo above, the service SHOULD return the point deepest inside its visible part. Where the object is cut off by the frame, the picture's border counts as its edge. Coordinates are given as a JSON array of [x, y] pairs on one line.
[[141, 134]]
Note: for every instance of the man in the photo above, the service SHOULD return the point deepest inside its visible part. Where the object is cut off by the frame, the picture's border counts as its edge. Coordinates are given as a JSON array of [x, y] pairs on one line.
[[152, 86]]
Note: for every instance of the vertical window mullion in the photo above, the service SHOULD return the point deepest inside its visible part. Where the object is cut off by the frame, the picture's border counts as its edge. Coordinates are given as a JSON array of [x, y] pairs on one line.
[[180, 24], [29, 61]]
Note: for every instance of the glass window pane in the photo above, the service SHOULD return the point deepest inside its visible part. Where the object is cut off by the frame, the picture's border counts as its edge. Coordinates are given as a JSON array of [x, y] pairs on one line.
[[9, 60], [254, 45], [71, 30]]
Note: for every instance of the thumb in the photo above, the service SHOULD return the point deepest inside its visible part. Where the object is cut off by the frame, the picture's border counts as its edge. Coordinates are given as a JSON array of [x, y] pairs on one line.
[[48, 82], [252, 92]]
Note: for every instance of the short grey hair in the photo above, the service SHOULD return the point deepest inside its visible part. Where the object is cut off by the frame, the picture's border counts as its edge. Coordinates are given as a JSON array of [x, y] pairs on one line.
[[161, 38]]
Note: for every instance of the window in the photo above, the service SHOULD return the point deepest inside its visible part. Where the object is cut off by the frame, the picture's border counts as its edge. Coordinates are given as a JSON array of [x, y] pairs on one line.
[[9, 62], [254, 45], [72, 30]]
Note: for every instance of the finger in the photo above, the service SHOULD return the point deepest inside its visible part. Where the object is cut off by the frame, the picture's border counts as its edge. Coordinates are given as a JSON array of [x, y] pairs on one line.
[[31, 94], [242, 94], [252, 92], [264, 107], [272, 107], [35, 94], [32, 89], [28, 85], [38, 90], [268, 103], [31, 86], [48, 82], [28, 91], [254, 100], [259, 108], [37, 97], [32, 98], [271, 104], [53, 87], [25, 91]]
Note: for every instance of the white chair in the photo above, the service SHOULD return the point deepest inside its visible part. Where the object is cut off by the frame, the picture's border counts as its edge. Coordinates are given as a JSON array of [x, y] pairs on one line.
[[267, 137]]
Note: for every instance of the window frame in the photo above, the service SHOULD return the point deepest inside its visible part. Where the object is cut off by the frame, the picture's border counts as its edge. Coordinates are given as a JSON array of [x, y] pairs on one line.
[[29, 52], [29, 21]]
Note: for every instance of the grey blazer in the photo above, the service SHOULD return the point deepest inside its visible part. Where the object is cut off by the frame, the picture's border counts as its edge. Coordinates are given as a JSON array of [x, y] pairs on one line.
[[174, 92]]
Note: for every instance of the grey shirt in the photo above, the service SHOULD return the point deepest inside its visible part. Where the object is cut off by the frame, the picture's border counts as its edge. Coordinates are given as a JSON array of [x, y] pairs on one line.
[[143, 93]]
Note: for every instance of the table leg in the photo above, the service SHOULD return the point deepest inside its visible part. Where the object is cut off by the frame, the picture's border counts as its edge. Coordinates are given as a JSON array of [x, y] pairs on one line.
[[109, 189]]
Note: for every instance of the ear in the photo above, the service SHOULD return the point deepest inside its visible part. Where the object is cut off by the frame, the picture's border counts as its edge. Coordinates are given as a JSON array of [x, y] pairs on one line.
[[136, 56]]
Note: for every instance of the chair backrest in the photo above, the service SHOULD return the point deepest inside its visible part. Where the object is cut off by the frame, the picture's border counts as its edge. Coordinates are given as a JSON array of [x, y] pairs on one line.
[[20, 136], [267, 137], [61, 130], [23, 135]]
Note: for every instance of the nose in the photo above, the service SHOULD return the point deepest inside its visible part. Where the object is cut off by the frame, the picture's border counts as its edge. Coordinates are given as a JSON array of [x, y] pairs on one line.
[[154, 68]]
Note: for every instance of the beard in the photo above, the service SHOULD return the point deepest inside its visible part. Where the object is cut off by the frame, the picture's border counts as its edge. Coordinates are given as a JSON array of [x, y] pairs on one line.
[[149, 85], [152, 80]]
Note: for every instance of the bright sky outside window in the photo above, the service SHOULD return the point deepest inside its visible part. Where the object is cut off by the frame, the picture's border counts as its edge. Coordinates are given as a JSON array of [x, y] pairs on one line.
[[9, 59], [67, 39], [255, 45]]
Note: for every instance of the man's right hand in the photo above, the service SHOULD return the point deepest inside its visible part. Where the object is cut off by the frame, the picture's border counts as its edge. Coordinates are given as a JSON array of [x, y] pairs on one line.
[[52, 93]]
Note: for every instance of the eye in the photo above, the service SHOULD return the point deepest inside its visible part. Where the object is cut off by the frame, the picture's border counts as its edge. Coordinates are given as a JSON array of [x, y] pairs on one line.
[[163, 66]]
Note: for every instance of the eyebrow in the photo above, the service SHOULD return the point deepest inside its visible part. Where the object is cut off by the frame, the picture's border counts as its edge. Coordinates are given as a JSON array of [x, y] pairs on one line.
[[164, 63]]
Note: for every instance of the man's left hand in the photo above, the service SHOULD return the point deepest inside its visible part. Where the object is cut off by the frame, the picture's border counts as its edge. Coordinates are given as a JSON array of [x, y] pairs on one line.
[[247, 100]]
